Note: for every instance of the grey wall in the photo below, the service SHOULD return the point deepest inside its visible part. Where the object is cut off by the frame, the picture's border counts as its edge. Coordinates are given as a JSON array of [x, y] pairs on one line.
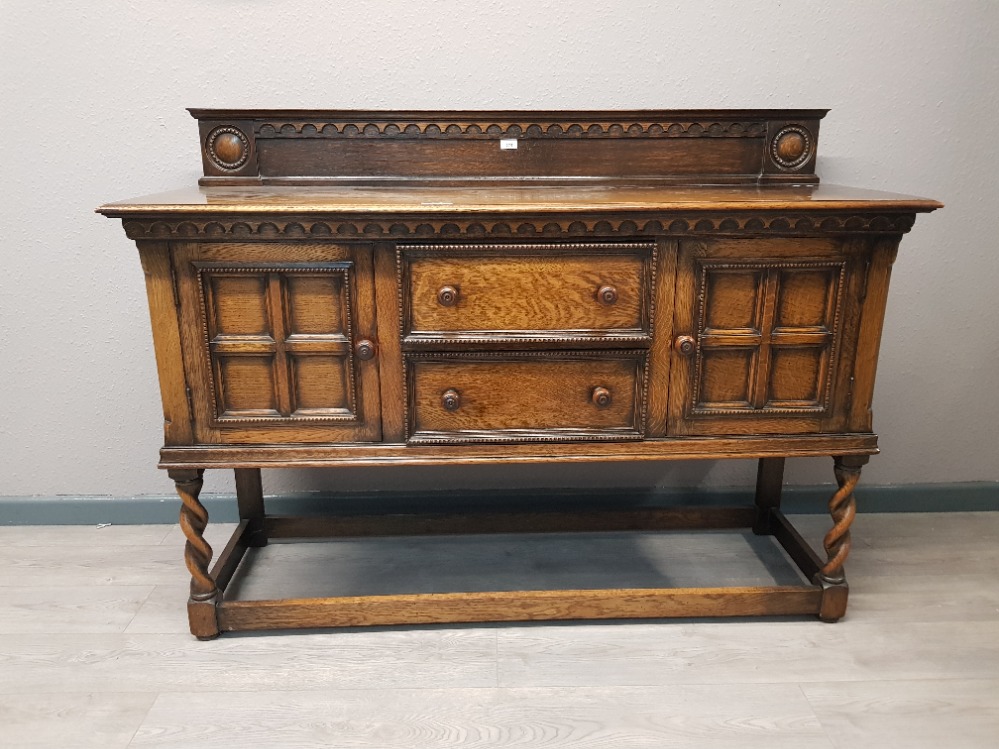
[[93, 97]]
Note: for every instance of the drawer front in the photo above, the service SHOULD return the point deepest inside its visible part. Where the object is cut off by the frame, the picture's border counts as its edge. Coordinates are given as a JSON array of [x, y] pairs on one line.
[[525, 397], [577, 292]]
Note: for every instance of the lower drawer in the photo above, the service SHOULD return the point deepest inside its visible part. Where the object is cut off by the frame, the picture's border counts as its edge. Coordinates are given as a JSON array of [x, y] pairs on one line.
[[504, 397]]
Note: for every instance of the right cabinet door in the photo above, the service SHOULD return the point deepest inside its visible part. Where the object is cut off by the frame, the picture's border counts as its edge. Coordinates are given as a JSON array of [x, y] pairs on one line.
[[765, 332]]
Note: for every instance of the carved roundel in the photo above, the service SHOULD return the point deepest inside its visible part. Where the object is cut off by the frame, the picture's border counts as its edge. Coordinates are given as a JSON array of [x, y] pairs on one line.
[[791, 147], [227, 147]]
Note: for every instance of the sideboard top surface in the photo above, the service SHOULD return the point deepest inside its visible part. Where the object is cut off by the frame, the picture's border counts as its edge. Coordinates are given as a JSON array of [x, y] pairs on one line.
[[409, 199]]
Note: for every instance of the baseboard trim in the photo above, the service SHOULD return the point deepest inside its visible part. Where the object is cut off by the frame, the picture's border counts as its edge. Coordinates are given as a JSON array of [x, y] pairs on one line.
[[152, 509]]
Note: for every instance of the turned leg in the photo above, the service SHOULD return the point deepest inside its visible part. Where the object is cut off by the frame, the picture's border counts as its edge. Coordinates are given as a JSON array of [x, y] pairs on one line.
[[769, 480], [843, 508], [197, 554], [250, 498]]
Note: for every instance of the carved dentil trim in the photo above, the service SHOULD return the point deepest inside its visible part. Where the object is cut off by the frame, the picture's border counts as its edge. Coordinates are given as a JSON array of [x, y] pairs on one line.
[[514, 436], [427, 339], [497, 129], [505, 249], [468, 227]]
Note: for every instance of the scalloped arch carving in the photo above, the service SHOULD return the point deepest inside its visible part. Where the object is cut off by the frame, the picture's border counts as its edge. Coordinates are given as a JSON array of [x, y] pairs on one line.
[[695, 225]]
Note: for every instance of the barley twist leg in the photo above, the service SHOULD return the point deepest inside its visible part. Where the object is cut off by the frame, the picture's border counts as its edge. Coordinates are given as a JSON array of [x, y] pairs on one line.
[[197, 554], [843, 508]]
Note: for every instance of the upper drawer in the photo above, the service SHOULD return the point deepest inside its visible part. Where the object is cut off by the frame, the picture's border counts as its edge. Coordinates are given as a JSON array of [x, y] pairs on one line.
[[481, 293]]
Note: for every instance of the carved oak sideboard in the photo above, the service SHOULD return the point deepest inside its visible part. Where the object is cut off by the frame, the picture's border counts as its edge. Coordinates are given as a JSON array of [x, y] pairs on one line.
[[435, 288]]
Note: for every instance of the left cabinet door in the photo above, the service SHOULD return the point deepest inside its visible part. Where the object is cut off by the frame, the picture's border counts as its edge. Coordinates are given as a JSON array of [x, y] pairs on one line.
[[279, 342]]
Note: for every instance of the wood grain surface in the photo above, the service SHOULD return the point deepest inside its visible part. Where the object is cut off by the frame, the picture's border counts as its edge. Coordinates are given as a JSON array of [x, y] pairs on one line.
[[529, 291], [912, 665]]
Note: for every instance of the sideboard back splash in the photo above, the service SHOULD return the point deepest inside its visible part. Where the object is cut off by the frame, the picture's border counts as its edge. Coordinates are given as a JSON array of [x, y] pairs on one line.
[[663, 146]]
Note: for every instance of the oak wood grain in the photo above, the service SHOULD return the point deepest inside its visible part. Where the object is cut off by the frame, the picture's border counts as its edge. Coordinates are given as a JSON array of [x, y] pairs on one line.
[[274, 456], [518, 605], [162, 294], [522, 394], [529, 289], [389, 355], [444, 201], [871, 322]]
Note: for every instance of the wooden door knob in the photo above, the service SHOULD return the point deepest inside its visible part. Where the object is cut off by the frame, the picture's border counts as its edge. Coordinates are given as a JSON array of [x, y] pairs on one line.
[[447, 296], [607, 295], [365, 350], [684, 345], [601, 397], [451, 400]]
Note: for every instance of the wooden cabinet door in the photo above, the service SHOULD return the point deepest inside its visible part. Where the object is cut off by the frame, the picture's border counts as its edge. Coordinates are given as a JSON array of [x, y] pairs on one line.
[[273, 342], [765, 331]]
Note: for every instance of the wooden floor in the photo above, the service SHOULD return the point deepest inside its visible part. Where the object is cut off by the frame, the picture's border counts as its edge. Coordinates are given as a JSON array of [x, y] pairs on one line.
[[95, 652]]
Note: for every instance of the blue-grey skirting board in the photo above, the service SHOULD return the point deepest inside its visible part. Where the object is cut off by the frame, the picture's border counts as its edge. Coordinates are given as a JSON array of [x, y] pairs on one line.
[[92, 510]]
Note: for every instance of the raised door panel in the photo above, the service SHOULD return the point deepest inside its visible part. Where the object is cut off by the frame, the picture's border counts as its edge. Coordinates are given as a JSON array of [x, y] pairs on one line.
[[275, 358], [766, 325]]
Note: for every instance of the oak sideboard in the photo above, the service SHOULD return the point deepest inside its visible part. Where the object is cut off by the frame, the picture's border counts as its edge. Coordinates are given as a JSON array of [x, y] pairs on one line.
[[378, 288]]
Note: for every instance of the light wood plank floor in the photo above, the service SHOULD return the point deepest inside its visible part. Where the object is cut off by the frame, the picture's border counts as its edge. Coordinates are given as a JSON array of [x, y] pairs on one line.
[[95, 649]]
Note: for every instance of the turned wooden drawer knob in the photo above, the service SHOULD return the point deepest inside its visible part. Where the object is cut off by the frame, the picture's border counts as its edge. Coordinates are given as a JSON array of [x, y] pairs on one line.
[[447, 296], [365, 350], [607, 295], [684, 345], [451, 400], [601, 397]]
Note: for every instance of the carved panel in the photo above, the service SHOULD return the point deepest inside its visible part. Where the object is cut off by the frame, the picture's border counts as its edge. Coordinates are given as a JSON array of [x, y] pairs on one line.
[[317, 304], [245, 385], [321, 384], [738, 296], [278, 340], [725, 378], [772, 324], [228, 148], [239, 305], [765, 326], [798, 377]]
